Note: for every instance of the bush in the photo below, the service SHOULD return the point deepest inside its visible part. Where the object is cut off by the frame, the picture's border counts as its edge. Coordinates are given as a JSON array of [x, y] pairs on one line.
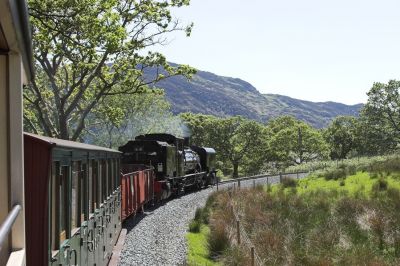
[[289, 182], [198, 216], [194, 226], [218, 240], [380, 185], [236, 256], [335, 174]]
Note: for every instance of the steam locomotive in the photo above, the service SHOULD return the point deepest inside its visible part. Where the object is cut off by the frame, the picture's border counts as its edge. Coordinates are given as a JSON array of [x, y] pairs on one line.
[[177, 166], [77, 195]]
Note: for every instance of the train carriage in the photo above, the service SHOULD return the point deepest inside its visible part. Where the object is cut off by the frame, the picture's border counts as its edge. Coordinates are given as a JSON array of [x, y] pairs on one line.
[[73, 206]]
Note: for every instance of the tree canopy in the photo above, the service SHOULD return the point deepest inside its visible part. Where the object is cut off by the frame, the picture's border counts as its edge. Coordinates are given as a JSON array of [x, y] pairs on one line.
[[341, 136], [293, 141], [88, 50], [236, 139]]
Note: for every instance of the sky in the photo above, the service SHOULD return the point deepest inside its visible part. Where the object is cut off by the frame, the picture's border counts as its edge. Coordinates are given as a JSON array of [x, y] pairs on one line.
[[310, 49]]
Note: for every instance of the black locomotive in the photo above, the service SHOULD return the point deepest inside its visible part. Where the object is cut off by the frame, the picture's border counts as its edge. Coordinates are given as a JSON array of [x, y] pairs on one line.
[[177, 166]]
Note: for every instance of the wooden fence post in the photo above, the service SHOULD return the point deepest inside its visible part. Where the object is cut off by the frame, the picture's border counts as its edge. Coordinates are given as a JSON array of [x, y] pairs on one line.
[[297, 174], [252, 256], [280, 177], [254, 183], [238, 231], [238, 184]]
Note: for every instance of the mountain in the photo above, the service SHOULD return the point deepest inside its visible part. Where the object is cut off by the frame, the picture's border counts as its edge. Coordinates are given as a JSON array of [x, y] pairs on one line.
[[208, 93]]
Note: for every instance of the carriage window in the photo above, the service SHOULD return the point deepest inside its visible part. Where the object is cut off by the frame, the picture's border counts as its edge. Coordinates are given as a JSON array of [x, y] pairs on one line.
[[117, 171], [75, 213], [96, 185], [83, 193], [90, 188], [110, 176], [63, 203], [104, 180], [55, 170]]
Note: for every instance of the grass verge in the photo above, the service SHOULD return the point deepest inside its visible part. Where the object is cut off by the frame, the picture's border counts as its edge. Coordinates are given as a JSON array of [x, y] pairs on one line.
[[198, 252]]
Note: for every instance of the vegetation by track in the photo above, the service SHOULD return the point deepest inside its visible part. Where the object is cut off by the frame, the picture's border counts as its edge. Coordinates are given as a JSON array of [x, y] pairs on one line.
[[338, 216]]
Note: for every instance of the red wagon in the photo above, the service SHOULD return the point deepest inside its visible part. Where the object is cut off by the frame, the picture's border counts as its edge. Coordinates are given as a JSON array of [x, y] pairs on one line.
[[137, 187]]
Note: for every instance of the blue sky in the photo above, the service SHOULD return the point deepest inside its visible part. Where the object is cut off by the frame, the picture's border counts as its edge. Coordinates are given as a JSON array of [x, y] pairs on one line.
[[309, 49]]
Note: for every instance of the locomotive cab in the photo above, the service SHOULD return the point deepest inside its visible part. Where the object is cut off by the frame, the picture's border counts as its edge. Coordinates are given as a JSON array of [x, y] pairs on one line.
[[207, 162], [160, 155]]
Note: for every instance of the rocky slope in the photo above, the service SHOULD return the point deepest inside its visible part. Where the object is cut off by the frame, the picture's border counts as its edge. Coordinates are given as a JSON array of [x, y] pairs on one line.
[[209, 93]]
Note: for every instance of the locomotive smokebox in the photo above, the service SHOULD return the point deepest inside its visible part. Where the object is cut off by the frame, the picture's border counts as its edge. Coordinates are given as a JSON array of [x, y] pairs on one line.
[[186, 141]]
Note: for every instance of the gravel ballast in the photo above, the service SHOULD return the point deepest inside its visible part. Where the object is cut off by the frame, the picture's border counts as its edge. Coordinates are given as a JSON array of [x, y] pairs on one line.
[[157, 237]]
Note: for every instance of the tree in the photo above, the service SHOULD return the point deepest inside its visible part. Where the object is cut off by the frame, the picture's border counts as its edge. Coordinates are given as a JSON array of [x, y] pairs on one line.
[[341, 136], [86, 51], [201, 127], [373, 138], [293, 142], [381, 118], [235, 139]]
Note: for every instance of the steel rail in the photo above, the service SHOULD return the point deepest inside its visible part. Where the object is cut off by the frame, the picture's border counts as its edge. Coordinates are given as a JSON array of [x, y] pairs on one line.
[[8, 223]]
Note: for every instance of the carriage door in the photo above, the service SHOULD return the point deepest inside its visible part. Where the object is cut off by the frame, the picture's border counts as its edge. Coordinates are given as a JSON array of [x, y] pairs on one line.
[[84, 211], [92, 235], [110, 206], [60, 229], [77, 216], [119, 196]]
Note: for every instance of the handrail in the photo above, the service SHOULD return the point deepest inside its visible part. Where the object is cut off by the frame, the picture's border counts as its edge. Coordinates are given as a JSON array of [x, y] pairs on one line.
[[8, 223]]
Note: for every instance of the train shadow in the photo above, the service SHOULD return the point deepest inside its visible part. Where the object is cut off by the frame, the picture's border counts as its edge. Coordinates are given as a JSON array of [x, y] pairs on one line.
[[136, 218], [130, 223]]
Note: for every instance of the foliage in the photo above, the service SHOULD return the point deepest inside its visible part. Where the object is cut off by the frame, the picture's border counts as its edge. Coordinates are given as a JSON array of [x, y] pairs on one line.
[[235, 139], [340, 136], [86, 51], [365, 163], [381, 116], [194, 226], [292, 141], [289, 182]]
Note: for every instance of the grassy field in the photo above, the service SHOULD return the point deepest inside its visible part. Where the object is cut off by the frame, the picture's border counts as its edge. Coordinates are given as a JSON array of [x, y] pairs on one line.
[[354, 185]]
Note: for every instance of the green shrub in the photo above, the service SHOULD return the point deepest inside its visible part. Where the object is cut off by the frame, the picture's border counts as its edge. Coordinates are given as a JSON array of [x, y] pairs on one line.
[[335, 174], [218, 240], [342, 183], [373, 175], [194, 226], [289, 182], [198, 214], [351, 170], [380, 185]]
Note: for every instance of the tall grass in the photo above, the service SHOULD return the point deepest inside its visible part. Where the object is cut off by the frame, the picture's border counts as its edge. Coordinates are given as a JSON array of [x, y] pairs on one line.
[[317, 226]]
